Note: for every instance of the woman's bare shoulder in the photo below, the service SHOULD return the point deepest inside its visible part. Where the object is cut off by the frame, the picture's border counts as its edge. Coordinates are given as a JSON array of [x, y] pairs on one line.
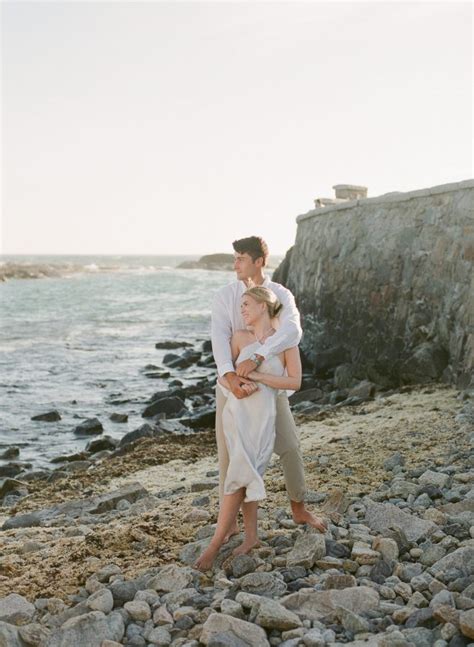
[[243, 335]]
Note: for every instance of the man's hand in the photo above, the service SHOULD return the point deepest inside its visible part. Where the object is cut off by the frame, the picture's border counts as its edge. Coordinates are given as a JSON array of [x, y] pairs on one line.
[[237, 384], [246, 367]]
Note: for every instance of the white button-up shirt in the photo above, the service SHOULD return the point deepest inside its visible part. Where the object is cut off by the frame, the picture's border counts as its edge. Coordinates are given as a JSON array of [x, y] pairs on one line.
[[227, 318]]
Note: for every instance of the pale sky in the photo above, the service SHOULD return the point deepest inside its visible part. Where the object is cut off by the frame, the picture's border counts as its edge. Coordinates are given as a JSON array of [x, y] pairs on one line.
[[176, 127]]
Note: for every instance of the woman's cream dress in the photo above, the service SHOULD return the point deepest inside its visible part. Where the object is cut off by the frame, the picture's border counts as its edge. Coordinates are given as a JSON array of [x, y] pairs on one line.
[[249, 431]]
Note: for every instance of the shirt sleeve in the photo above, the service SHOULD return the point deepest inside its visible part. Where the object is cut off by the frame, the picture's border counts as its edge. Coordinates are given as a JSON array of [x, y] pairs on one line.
[[289, 333], [221, 333]]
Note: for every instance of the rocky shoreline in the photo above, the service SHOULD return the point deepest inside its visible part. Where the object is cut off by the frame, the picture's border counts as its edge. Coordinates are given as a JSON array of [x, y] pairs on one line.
[[101, 554]]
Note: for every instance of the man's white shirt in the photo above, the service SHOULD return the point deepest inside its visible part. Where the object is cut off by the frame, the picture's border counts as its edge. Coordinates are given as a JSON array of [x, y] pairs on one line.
[[227, 318]]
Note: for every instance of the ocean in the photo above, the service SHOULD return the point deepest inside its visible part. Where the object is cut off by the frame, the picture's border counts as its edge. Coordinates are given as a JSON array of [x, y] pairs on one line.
[[78, 341]]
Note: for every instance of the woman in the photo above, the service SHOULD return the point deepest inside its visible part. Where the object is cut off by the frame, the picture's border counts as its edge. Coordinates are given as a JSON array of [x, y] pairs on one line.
[[249, 423]]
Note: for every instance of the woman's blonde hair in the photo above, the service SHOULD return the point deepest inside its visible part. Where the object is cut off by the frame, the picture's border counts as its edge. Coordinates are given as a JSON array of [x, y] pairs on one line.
[[264, 295]]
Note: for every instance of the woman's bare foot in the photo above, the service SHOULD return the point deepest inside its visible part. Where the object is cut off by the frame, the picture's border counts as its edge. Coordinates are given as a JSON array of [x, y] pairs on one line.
[[205, 561], [302, 515], [246, 546], [233, 531]]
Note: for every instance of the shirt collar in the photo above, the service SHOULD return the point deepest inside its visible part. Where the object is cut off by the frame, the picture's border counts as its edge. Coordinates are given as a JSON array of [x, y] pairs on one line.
[[265, 283]]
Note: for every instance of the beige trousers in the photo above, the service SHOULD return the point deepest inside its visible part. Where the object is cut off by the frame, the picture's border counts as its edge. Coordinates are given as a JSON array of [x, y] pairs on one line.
[[287, 446]]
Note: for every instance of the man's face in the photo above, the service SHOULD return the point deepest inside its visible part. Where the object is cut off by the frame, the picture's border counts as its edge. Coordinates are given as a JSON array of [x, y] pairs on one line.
[[244, 266]]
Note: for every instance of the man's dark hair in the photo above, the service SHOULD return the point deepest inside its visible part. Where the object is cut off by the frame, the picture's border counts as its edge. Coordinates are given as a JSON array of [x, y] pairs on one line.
[[254, 246]]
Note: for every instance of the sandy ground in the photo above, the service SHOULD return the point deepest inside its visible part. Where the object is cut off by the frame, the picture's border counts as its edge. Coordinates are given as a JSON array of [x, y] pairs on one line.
[[343, 452]]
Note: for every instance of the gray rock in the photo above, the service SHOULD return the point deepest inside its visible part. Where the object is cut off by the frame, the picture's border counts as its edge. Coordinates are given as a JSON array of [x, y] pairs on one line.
[[466, 623], [247, 632], [89, 427], [382, 516], [314, 605], [272, 615], [171, 578], [308, 548], [88, 630], [243, 564], [101, 600], [262, 584], [145, 431], [9, 636], [351, 621], [461, 560], [16, 610], [431, 477], [138, 610], [123, 591], [393, 461], [33, 634], [159, 636], [50, 416]]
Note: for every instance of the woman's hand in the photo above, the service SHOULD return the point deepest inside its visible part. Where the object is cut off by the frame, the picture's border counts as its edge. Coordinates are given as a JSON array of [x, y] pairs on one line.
[[250, 388], [255, 376]]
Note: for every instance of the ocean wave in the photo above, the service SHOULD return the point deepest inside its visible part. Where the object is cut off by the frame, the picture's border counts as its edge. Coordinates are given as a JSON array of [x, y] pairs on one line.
[[18, 270]]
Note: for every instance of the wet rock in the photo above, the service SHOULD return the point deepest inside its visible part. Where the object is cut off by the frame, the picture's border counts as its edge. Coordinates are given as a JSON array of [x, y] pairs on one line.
[[98, 445], [119, 417], [203, 418], [89, 427], [16, 610], [8, 486], [172, 345], [247, 632], [308, 548], [145, 431], [172, 406], [50, 416], [11, 452]]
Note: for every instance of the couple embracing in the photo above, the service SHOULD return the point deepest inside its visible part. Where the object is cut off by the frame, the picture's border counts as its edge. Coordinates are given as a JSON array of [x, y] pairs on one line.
[[255, 335]]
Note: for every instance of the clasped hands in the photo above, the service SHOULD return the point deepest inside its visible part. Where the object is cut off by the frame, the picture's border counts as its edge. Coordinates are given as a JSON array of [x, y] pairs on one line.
[[241, 383]]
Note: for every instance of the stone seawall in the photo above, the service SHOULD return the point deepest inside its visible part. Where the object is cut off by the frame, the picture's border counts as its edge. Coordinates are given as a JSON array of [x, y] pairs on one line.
[[385, 286]]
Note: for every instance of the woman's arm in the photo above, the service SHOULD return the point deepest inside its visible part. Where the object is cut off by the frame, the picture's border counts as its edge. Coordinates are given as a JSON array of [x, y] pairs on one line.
[[292, 381]]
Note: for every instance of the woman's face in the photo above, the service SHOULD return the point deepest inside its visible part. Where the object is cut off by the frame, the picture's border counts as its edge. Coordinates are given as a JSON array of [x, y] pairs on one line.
[[251, 310]]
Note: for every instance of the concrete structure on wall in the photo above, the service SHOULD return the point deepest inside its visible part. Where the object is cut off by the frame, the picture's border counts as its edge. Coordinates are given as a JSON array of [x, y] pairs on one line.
[[385, 285]]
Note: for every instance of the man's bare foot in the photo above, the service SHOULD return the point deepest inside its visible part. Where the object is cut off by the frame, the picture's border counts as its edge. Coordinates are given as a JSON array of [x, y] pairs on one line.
[[205, 561], [302, 515], [246, 546]]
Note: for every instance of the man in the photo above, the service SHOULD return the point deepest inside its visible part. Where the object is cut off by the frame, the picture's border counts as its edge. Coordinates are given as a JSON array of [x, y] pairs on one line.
[[251, 255]]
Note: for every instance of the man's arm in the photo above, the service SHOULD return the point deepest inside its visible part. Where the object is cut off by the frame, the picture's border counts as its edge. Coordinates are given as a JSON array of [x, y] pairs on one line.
[[289, 333], [287, 336], [221, 335]]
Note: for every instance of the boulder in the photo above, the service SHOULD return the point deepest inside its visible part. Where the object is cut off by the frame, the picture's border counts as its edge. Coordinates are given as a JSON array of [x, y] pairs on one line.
[[383, 516], [308, 548], [247, 632], [314, 605], [16, 610], [49, 416], [89, 427], [88, 630]]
